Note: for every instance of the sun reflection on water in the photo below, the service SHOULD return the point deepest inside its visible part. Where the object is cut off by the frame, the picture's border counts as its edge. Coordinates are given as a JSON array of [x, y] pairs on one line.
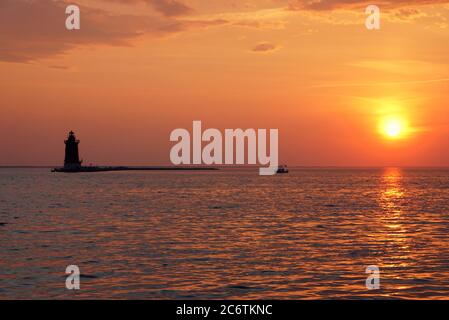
[[393, 191], [394, 232]]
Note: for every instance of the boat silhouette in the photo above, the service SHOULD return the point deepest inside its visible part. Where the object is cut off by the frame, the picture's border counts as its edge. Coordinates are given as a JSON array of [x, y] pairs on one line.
[[282, 169]]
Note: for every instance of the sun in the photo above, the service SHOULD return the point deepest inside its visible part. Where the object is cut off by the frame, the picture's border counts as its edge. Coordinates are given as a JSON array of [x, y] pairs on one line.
[[393, 127]]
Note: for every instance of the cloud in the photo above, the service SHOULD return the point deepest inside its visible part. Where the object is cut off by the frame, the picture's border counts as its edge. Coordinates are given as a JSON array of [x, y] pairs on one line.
[[406, 14], [400, 66], [377, 83], [352, 4], [273, 19], [35, 29], [169, 8], [349, 12], [58, 67], [264, 47], [184, 25]]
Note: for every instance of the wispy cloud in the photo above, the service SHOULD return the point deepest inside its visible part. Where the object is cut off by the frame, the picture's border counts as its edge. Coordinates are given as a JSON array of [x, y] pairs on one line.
[[169, 8], [348, 4], [399, 66], [264, 47], [274, 18], [34, 29], [376, 84]]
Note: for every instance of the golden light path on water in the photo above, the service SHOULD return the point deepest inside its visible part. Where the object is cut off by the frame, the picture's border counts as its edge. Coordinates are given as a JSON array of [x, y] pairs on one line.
[[391, 199]]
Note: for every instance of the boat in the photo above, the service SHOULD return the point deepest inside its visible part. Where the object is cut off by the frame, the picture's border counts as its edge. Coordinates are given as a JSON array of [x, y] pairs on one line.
[[282, 169]]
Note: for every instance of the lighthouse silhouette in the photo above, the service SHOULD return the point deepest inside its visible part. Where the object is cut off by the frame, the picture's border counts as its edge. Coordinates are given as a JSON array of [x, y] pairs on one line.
[[72, 159]]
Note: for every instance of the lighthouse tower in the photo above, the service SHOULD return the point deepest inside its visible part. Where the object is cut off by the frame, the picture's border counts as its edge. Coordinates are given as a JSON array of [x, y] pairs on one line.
[[72, 160]]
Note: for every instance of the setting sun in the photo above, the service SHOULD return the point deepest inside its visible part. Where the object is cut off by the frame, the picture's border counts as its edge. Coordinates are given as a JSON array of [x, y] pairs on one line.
[[393, 128]]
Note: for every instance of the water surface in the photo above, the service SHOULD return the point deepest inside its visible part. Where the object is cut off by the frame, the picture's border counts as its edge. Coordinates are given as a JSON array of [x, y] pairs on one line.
[[226, 234]]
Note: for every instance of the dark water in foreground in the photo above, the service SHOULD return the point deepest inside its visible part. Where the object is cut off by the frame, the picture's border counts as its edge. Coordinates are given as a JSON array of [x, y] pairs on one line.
[[225, 234]]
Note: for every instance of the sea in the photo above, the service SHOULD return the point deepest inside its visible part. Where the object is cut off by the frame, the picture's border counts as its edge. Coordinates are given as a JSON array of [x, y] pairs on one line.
[[226, 234]]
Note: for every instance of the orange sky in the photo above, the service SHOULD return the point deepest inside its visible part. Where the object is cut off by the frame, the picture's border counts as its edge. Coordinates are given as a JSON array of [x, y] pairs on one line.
[[138, 69]]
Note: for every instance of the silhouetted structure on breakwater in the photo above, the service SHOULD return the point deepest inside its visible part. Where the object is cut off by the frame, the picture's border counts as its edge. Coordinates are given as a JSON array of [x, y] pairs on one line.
[[72, 158], [72, 162]]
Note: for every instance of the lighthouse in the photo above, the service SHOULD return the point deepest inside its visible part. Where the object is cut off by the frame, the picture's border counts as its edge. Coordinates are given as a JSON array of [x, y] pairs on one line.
[[72, 159]]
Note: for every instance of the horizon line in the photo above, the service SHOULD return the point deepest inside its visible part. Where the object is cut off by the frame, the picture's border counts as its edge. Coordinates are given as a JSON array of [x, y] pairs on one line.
[[244, 166]]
